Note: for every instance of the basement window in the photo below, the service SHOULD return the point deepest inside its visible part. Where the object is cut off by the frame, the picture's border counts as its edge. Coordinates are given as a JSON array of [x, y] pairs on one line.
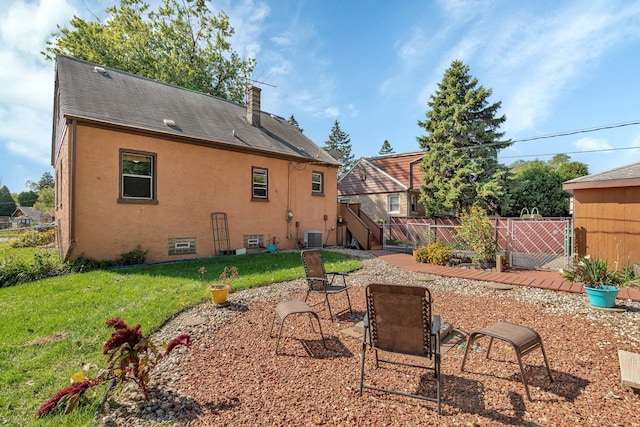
[[253, 241], [182, 245]]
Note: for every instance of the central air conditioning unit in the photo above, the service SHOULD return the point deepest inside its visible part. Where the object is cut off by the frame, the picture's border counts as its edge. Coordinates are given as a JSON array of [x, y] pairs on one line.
[[313, 239]]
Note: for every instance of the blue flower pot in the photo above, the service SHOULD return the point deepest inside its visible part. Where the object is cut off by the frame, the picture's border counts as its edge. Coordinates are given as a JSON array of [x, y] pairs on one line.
[[604, 296], [271, 248]]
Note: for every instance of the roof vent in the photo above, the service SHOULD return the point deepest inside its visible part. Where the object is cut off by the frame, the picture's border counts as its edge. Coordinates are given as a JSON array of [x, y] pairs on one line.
[[97, 69], [169, 122]]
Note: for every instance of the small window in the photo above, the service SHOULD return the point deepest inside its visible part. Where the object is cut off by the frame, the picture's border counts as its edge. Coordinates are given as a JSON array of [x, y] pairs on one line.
[[260, 184], [414, 203], [317, 183], [182, 245], [394, 203], [137, 176]]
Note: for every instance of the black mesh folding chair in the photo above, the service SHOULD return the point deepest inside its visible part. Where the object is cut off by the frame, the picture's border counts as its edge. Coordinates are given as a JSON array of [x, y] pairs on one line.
[[321, 282]]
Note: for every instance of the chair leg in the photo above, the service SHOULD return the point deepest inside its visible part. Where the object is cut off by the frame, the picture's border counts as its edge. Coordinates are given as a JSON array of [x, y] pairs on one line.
[[364, 352], [524, 378], [279, 335], [490, 344], [436, 365], [466, 350], [326, 299], [272, 323], [349, 302], [319, 327], [546, 362]]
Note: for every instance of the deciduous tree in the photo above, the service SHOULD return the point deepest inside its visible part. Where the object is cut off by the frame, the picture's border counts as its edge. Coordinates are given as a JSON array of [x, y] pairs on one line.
[[181, 43], [538, 184]]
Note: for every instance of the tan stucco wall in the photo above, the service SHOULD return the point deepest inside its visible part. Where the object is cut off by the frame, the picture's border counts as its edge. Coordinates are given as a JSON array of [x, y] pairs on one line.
[[192, 182], [62, 188]]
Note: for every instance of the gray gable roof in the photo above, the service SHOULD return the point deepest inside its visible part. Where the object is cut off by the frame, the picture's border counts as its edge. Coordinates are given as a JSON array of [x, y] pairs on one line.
[[624, 176], [109, 96]]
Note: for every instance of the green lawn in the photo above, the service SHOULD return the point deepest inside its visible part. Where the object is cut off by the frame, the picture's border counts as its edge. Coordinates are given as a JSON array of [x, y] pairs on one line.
[[51, 328]]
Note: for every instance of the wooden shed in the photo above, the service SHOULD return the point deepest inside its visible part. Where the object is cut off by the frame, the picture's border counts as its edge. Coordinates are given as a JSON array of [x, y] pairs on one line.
[[606, 214]]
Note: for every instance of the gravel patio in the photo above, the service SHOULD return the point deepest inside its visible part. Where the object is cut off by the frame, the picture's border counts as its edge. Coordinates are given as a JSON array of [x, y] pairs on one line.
[[231, 375]]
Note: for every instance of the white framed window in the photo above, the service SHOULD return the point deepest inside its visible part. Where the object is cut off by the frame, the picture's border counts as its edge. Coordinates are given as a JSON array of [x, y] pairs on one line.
[[394, 203], [260, 186], [317, 183], [137, 176]]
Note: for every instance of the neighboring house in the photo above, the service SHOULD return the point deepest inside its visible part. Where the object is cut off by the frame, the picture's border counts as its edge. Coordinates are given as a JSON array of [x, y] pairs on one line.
[[606, 214], [385, 186], [139, 162], [26, 216]]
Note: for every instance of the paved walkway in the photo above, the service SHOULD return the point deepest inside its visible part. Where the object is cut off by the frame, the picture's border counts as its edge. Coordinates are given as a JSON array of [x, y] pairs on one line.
[[544, 279]]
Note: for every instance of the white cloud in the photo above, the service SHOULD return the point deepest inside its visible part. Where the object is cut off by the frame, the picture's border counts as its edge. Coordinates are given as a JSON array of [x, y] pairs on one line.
[[27, 25], [591, 144], [283, 40], [29, 134], [542, 60], [331, 112]]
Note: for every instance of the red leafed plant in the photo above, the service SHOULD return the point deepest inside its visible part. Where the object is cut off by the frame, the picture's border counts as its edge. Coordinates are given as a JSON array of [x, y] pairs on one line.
[[131, 356]]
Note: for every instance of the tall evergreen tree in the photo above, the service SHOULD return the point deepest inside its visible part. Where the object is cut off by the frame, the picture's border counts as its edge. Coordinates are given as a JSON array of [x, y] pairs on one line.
[[386, 148], [181, 43], [7, 204], [461, 147], [339, 144], [294, 122]]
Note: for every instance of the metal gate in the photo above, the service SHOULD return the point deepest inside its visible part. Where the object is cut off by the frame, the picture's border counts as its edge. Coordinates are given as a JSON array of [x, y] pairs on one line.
[[539, 243]]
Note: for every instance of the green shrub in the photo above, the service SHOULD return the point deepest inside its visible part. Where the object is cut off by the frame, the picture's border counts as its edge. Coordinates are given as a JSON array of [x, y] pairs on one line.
[[32, 238], [14, 271], [438, 253], [134, 257], [421, 254]]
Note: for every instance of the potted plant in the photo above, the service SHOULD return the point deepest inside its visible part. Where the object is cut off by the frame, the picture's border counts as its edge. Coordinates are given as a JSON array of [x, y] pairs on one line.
[[220, 291], [477, 232], [600, 283]]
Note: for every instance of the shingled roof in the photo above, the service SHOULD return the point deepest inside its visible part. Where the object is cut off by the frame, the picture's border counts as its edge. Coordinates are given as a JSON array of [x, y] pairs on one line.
[[92, 93], [624, 176], [388, 173]]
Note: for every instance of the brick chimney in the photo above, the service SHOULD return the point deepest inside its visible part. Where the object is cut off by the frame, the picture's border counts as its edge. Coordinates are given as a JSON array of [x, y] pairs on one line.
[[253, 106]]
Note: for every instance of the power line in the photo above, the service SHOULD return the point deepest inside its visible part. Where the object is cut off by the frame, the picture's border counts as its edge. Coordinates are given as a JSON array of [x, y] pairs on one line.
[[574, 132], [559, 134], [569, 152]]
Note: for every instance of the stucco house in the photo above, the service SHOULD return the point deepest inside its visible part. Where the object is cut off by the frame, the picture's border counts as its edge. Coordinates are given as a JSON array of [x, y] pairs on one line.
[[180, 173], [385, 186], [606, 214]]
